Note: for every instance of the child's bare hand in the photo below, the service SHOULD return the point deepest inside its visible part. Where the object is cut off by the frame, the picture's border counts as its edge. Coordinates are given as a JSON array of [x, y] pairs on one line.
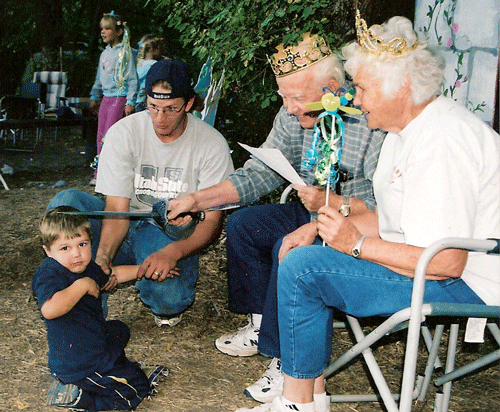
[[110, 284], [129, 110], [90, 286]]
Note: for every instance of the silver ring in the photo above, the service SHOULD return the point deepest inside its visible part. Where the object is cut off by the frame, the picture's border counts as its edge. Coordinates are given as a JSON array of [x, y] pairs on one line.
[[156, 273]]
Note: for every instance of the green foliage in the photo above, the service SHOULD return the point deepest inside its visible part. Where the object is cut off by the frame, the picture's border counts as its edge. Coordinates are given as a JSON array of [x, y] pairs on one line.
[[238, 35]]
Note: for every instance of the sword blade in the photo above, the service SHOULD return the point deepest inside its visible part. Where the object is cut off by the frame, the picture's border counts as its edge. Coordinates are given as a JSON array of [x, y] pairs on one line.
[[103, 213], [224, 207], [152, 214]]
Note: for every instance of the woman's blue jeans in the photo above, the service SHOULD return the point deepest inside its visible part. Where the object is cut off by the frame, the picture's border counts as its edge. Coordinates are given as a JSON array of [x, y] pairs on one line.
[[144, 237], [311, 281]]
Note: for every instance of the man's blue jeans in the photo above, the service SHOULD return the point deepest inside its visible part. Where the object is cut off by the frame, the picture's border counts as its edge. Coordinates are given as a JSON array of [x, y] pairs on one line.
[[144, 237], [251, 235], [311, 281]]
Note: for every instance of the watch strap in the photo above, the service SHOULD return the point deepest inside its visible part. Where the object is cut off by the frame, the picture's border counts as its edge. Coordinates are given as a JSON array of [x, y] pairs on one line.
[[357, 249], [345, 207]]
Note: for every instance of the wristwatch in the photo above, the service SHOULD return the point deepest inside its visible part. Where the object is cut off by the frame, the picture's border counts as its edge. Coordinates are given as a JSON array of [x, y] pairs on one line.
[[345, 208], [357, 249]]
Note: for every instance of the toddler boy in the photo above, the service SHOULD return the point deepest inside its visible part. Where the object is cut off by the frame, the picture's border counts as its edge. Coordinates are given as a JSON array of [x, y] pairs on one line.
[[86, 352]]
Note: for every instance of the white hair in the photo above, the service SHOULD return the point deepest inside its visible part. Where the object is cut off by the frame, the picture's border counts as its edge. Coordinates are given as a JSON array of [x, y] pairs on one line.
[[423, 67], [328, 68]]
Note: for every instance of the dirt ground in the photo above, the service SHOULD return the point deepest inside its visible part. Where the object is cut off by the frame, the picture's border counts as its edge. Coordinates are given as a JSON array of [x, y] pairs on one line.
[[201, 378]]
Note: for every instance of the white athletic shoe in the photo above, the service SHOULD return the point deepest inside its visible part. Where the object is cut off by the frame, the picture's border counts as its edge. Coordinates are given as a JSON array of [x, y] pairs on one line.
[[275, 406], [322, 402], [162, 321], [242, 343], [269, 385]]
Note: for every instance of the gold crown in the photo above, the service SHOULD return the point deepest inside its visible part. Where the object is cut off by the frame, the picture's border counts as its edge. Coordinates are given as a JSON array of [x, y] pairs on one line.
[[371, 43], [310, 50]]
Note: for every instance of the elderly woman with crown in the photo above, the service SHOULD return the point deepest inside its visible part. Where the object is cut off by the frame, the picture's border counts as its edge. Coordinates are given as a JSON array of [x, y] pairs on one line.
[[438, 176]]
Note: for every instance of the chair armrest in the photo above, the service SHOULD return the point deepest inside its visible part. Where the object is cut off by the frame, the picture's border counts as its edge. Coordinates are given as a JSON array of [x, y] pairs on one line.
[[286, 192], [487, 246], [496, 249], [474, 245]]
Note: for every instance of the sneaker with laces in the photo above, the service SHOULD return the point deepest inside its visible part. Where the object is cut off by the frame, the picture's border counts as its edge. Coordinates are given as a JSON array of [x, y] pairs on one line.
[[242, 343], [168, 321], [269, 385]]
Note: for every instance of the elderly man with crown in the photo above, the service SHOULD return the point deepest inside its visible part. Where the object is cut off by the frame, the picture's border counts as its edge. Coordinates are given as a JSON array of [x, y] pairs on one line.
[[438, 176], [305, 73]]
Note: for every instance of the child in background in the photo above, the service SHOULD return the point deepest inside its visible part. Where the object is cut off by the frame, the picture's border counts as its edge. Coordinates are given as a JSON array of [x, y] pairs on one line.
[[86, 352], [116, 78], [150, 51]]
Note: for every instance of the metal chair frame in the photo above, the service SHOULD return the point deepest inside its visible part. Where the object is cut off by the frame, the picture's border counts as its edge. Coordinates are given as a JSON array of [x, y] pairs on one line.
[[414, 316]]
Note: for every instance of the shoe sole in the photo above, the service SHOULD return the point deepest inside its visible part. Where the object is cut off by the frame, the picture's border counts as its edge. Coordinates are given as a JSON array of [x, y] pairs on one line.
[[262, 399], [167, 322], [239, 352]]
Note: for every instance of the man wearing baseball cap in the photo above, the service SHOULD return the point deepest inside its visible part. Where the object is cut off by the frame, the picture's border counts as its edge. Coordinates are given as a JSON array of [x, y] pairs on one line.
[[157, 154]]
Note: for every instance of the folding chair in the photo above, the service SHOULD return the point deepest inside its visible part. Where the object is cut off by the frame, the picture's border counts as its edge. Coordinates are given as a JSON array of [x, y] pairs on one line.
[[55, 96], [32, 90], [18, 108], [55, 89], [413, 317]]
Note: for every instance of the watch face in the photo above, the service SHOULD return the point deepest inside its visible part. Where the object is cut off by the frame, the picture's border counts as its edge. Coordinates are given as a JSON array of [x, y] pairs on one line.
[[355, 253]]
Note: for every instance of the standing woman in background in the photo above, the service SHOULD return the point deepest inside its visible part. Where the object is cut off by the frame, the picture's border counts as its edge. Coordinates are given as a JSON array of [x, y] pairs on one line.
[[116, 78]]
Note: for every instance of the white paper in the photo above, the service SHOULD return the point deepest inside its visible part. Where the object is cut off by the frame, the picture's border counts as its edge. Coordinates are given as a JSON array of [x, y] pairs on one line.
[[274, 159], [474, 332]]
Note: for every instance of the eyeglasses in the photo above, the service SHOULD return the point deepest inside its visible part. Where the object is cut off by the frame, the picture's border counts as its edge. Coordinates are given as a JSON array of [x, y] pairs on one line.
[[167, 111]]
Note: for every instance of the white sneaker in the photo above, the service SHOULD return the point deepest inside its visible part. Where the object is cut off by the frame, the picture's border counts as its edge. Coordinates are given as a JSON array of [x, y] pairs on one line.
[[275, 406], [322, 402], [269, 385], [161, 321], [242, 343]]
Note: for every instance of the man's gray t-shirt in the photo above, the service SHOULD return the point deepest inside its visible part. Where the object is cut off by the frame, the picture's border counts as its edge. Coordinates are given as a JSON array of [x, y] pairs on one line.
[[135, 164]]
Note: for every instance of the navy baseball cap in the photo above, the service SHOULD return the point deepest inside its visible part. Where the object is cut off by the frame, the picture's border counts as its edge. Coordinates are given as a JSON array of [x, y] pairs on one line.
[[176, 73]]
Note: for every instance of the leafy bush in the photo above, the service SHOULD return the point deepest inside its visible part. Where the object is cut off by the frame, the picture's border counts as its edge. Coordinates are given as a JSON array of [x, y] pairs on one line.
[[238, 36]]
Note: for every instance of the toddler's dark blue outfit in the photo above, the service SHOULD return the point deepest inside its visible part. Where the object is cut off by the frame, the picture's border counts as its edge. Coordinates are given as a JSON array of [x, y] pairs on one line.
[[85, 349]]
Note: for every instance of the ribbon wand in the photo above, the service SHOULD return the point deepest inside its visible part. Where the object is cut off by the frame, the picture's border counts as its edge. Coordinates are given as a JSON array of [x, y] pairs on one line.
[[331, 145]]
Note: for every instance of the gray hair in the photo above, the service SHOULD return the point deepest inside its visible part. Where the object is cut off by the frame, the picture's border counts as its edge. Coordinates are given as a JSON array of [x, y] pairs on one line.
[[423, 67], [328, 68]]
